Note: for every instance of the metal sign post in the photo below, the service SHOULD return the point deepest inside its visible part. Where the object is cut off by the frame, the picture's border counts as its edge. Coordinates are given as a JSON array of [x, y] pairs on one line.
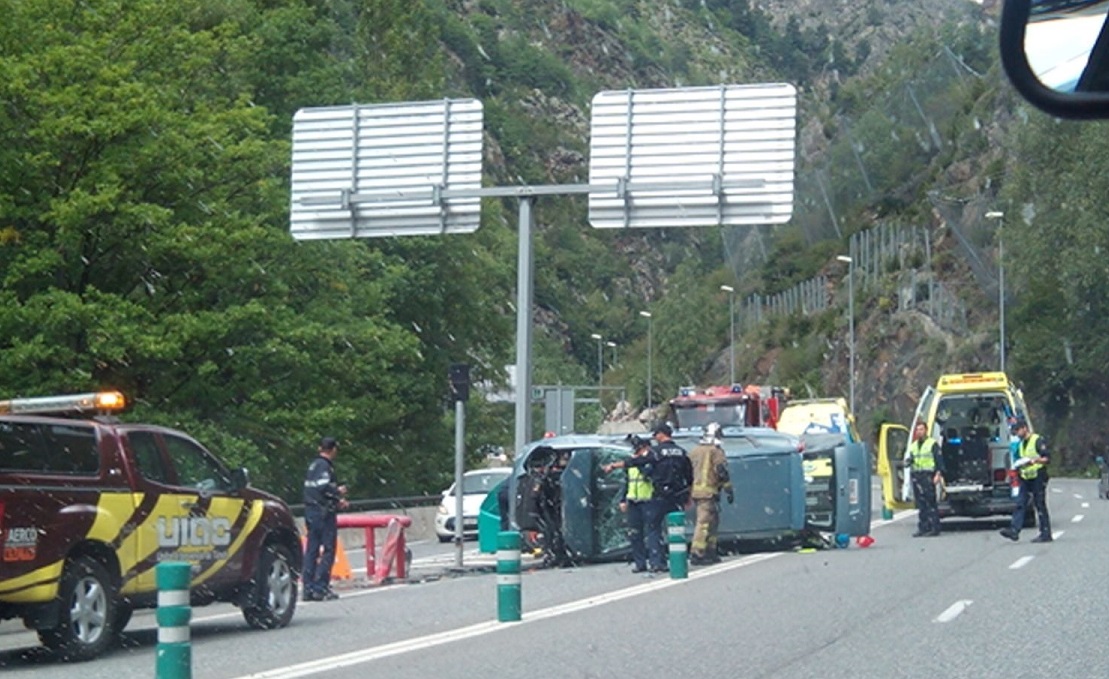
[[700, 156]]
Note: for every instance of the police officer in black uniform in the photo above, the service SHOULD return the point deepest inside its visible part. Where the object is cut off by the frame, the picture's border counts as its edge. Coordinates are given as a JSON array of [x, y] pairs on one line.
[[323, 498]]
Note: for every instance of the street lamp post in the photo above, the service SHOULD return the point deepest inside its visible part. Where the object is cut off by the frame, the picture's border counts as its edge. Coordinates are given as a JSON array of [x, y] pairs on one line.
[[851, 321], [600, 370], [1000, 217], [731, 324], [647, 315], [600, 359]]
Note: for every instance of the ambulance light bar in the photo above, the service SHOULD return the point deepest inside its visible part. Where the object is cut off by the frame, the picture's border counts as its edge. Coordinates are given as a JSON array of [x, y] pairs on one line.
[[97, 402]]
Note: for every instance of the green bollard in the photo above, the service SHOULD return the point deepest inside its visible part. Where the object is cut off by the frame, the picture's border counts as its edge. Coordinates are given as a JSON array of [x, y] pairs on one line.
[[675, 532], [887, 513], [508, 576], [174, 657]]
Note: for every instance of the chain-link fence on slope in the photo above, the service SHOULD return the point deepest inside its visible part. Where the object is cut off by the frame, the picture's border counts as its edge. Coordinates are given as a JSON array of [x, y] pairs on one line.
[[874, 158]]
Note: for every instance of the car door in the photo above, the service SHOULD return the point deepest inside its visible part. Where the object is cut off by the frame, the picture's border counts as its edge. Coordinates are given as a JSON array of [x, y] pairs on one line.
[[593, 525], [892, 440], [210, 519]]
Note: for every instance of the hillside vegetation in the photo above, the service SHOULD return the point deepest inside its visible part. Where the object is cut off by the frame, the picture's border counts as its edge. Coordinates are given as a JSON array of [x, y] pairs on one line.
[[144, 202]]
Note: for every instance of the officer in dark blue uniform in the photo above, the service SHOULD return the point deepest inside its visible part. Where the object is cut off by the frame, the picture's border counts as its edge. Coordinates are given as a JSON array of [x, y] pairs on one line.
[[323, 498]]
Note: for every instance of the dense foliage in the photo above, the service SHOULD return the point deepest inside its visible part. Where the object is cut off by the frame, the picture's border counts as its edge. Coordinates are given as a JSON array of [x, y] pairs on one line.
[[144, 241]]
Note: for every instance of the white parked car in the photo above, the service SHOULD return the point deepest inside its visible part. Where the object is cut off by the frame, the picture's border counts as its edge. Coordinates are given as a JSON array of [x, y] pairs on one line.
[[476, 485]]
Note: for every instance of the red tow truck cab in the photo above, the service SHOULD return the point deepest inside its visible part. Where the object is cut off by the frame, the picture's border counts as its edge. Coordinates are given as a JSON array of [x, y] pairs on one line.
[[90, 505]]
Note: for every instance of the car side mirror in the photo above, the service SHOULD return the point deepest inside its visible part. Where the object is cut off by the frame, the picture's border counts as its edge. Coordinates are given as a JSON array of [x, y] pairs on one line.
[[1056, 53], [240, 478]]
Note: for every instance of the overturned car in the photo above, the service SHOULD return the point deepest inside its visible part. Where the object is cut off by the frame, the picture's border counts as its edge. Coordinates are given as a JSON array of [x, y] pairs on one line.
[[562, 499]]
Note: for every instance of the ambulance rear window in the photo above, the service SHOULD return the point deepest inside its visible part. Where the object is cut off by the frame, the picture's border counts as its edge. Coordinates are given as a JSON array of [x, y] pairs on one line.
[[48, 448]]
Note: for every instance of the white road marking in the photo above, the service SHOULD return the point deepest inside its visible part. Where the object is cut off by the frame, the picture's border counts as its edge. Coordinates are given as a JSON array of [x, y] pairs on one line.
[[1085, 505], [1021, 562], [1077, 496], [1056, 490], [480, 629], [953, 611], [1058, 534], [1077, 518]]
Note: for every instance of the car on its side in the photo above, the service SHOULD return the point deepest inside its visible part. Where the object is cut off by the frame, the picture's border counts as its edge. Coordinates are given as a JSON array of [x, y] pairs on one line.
[[476, 485]]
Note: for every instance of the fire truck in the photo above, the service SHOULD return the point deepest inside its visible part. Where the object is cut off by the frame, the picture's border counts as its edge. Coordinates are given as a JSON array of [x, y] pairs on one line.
[[733, 405]]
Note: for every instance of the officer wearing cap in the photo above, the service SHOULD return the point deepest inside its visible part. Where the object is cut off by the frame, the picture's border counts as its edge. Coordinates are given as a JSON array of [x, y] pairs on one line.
[[323, 498], [1030, 459], [667, 466], [637, 494]]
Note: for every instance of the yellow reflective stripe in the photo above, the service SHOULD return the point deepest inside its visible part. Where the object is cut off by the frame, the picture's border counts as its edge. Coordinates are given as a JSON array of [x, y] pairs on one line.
[[40, 584], [923, 459], [225, 506], [1028, 450], [639, 486]]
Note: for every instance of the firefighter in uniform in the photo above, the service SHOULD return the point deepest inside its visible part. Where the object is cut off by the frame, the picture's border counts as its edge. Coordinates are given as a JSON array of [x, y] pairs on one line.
[[637, 494], [926, 463], [1030, 459], [710, 478]]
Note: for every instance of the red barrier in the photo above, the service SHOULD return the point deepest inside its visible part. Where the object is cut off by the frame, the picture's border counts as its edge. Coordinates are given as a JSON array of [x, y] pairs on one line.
[[371, 522]]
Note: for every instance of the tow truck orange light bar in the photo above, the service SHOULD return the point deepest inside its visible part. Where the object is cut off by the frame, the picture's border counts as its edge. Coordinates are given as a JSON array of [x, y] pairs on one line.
[[100, 401]]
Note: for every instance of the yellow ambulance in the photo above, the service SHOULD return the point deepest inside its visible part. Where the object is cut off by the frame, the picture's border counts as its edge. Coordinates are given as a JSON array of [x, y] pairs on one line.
[[969, 416]]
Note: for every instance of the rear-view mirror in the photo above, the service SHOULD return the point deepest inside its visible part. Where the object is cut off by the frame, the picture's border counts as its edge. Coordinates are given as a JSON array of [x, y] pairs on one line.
[[1056, 53]]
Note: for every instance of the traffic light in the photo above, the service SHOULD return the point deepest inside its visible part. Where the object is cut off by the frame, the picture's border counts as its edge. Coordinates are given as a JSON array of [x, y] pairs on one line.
[[460, 381]]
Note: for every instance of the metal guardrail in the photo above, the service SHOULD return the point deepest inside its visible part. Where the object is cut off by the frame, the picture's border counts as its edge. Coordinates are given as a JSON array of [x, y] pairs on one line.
[[383, 503]]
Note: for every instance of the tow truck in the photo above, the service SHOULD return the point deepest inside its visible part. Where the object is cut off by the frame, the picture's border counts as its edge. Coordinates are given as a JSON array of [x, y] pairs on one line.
[[90, 505]]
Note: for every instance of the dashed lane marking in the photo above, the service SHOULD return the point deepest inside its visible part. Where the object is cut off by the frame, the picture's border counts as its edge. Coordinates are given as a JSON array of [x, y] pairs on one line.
[[954, 610], [1021, 562], [1077, 518]]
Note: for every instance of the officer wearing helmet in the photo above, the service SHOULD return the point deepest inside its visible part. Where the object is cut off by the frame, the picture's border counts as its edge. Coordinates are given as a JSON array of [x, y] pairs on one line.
[[710, 479]]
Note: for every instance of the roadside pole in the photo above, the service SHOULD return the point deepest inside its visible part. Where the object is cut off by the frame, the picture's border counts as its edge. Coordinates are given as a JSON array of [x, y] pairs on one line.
[[675, 531], [174, 657], [508, 576]]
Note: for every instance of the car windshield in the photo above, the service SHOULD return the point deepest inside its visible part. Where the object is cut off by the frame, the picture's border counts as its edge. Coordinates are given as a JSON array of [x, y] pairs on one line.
[[697, 415]]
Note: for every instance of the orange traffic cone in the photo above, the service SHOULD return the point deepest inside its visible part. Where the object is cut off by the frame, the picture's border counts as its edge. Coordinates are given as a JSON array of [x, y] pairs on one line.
[[340, 570]]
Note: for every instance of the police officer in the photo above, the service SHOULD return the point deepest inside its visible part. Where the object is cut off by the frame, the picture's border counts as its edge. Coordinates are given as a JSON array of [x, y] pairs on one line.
[[710, 478], [926, 463], [667, 466], [323, 498], [1030, 459], [637, 495]]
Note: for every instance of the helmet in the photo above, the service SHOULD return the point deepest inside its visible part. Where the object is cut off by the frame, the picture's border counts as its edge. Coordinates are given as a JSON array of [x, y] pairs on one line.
[[712, 433]]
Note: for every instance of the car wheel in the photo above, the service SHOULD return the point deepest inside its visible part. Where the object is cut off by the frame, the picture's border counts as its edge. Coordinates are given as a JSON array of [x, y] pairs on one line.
[[274, 597], [87, 611], [445, 538]]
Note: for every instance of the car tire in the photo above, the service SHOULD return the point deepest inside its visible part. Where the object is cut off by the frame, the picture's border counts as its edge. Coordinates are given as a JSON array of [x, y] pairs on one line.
[[273, 596], [87, 611], [445, 538]]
